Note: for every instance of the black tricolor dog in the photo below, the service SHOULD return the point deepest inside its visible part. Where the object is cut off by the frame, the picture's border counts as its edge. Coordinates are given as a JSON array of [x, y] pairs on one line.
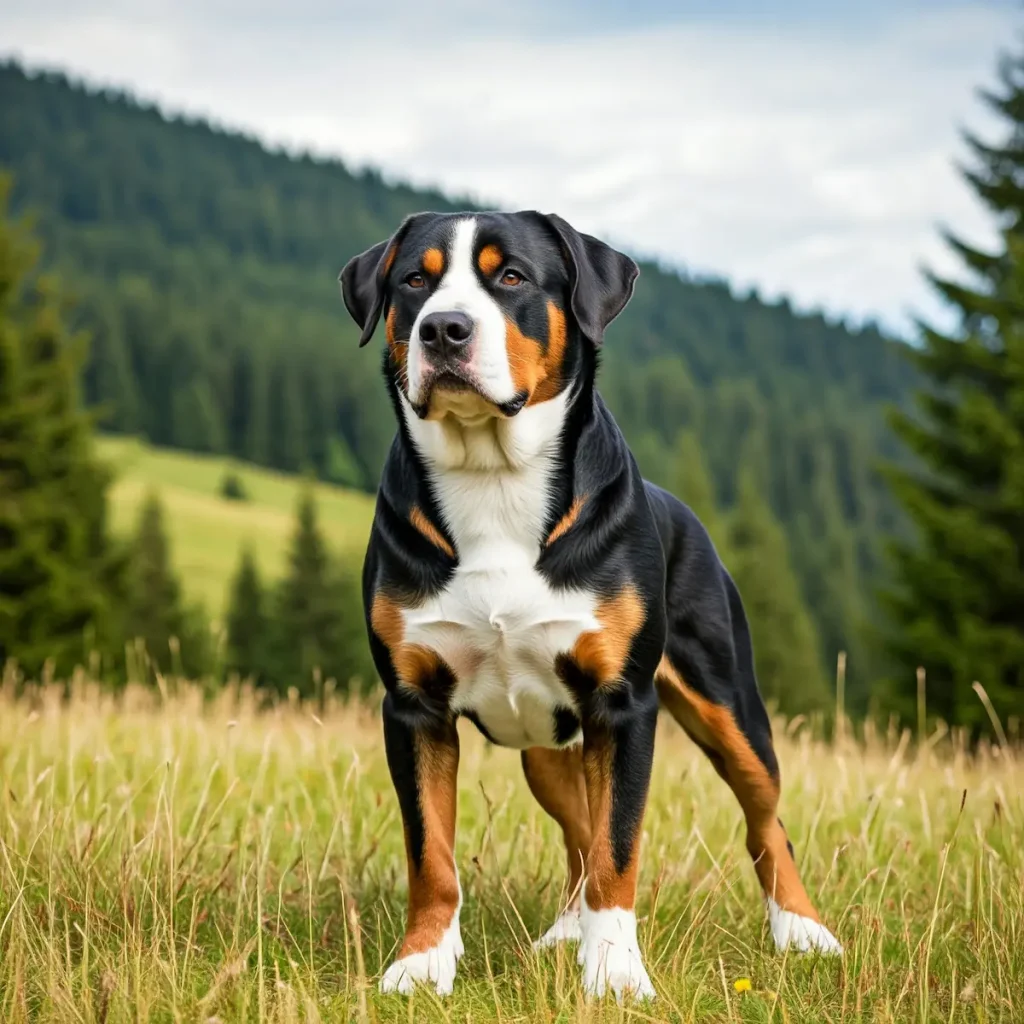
[[522, 574]]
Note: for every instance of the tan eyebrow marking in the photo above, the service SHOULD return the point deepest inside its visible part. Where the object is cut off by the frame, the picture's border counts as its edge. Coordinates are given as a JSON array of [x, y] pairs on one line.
[[433, 262], [489, 260]]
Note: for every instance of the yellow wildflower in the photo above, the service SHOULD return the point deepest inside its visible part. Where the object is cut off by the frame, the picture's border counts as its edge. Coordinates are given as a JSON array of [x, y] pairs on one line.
[[742, 985]]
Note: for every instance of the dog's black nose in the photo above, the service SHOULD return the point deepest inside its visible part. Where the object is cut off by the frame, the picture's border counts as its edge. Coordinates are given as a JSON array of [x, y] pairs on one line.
[[446, 334]]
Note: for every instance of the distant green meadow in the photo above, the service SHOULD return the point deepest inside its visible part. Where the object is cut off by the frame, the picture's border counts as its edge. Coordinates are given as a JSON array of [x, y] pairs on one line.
[[166, 859], [207, 531]]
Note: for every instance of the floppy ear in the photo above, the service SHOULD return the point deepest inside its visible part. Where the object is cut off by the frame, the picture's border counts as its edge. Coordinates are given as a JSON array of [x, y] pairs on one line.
[[601, 279], [364, 281]]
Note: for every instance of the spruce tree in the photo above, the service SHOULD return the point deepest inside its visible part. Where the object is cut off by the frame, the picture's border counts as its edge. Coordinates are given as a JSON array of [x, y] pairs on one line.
[[175, 635], [692, 484], [831, 584], [247, 622], [59, 571], [957, 608], [319, 618], [785, 643]]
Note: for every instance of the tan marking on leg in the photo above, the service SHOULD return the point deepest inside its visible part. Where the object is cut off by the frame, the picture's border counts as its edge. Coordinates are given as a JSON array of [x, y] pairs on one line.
[[606, 887], [556, 779], [434, 886], [433, 262], [602, 653], [413, 663], [429, 530], [757, 792], [566, 523], [489, 260]]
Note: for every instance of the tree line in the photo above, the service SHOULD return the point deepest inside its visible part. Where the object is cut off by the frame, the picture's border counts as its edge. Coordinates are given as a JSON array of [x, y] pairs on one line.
[[214, 333], [204, 268]]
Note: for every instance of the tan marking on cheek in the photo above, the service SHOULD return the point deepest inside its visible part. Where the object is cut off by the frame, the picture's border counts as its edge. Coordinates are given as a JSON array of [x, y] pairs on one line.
[[433, 262], [606, 886], [556, 779], [389, 258], [429, 530], [755, 788], [489, 260], [399, 352], [602, 653], [524, 359], [434, 886], [551, 382], [414, 664], [568, 521], [533, 370]]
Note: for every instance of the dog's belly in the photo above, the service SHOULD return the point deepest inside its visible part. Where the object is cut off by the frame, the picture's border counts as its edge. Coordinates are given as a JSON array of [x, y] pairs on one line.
[[500, 627]]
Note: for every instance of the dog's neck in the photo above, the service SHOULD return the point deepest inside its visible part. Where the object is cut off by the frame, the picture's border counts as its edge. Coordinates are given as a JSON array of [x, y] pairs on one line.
[[463, 438], [492, 477]]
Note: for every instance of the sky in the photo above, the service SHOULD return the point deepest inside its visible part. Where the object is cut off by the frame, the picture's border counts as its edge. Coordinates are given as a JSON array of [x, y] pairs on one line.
[[807, 149]]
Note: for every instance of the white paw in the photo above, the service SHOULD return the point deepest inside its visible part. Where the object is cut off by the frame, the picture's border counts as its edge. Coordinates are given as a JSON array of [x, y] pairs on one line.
[[610, 955], [565, 929], [801, 933], [433, 966]]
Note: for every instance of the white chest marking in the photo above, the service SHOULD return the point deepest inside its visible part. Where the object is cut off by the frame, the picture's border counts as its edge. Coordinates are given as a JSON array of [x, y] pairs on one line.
[[498, 624]]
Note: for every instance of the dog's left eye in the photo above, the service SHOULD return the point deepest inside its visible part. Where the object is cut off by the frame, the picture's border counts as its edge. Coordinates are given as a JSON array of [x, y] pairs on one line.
[[415, 281], [511, 278]]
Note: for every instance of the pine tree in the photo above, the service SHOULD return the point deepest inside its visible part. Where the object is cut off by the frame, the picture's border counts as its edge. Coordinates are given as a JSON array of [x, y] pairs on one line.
[[957, 606], [247, 623], [831, 584], [108, 381], [197, 422], [286, 418], [174, 634], [785, 643], [59, 571], [257, 410], [692, 484], [319, 618]]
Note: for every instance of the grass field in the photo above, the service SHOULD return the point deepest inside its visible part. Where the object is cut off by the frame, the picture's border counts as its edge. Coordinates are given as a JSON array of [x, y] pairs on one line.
[[162, 860], [207, 531]]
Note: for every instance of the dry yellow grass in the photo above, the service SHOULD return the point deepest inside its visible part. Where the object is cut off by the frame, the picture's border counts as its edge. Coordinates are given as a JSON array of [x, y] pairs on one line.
[[165, 859]]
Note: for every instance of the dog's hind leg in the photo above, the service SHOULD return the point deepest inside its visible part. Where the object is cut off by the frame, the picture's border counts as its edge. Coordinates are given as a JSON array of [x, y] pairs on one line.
[[556, 779], [710, 689]]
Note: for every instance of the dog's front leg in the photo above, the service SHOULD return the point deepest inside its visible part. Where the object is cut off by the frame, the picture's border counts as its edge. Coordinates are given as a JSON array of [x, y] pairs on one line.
[[618, 750], [423, 755]]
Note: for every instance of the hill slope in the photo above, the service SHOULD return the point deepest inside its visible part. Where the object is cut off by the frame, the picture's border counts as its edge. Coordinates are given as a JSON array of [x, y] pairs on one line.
[[206, 531], [205, 267]]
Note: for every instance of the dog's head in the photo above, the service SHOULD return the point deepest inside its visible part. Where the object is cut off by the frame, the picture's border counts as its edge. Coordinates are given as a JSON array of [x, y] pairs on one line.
[[486, 313]]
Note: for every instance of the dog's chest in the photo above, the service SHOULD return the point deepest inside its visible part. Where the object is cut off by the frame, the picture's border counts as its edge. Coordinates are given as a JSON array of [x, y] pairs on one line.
[[498, 624]]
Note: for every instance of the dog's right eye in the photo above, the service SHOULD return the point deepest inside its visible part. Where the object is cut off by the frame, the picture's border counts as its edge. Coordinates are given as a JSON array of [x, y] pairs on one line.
[[415, 281]]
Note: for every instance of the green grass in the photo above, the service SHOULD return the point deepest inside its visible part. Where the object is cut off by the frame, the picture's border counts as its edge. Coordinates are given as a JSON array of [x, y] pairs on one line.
[[207, 531], [166, 860]]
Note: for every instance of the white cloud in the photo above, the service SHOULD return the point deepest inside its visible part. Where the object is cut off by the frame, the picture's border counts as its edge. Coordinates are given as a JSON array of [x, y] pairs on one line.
[[814, 160]]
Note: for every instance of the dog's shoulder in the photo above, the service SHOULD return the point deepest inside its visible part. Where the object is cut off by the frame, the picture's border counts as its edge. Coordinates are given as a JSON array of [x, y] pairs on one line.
[[601, 530], [410, 550]]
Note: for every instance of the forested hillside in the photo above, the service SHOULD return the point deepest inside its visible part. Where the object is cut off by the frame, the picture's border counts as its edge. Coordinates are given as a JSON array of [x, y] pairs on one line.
[[206, 268]]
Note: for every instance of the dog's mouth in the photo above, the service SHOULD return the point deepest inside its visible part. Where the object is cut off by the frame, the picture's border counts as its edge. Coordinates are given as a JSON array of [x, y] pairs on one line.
[[450, 392]]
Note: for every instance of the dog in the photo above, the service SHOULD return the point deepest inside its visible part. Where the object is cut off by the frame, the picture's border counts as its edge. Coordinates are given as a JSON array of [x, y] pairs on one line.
[[521, 574]]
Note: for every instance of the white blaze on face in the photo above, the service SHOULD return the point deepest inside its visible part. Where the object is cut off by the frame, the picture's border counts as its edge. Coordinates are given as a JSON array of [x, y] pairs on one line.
[[460, 289]]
